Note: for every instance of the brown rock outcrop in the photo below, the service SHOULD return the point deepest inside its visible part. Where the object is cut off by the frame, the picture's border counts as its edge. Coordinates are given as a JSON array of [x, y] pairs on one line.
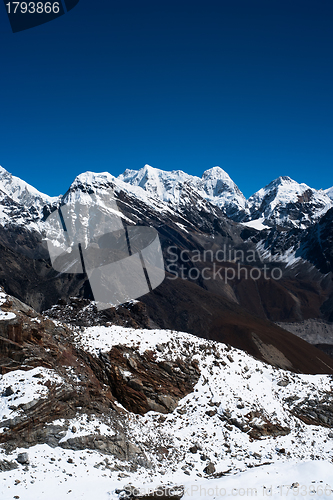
[[141, 384], [90, 385]]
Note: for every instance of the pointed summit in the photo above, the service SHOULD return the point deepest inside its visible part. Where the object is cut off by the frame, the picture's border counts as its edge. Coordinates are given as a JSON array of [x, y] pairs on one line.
[[161, 184], [288, 203], [221, 190], [92, 178], [284, 178], [22, 192], [216, 173]]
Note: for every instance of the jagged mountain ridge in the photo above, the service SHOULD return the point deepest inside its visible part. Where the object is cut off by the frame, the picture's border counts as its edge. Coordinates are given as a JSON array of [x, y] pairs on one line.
[[176, 187], [186, 225], [22, 192], [283, 202], [180, 223], [288, 204], [21, 203], [25, 238]]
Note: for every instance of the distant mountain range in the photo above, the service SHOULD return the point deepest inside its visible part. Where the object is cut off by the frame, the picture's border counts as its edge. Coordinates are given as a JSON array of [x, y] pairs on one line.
[[283, 202], [286, 225]]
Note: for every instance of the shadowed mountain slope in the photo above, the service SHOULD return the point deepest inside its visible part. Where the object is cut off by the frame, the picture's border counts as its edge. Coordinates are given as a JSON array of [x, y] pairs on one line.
[[181, 305]]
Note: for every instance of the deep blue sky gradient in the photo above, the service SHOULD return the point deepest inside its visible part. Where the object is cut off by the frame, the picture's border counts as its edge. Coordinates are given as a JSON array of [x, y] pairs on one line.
[[243, 84]]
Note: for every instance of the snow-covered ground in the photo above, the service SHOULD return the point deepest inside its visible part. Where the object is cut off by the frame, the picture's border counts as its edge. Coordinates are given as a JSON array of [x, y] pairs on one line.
[[234, 395], [256, 224], [24, 387], [50, 477]]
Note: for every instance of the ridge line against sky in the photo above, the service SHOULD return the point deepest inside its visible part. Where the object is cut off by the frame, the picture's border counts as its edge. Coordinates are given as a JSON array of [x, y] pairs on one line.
[[168, 171], [246, 85]]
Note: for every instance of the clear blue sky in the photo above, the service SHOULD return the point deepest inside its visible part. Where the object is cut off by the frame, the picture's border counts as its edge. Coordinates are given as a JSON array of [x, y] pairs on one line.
[[243, 84]]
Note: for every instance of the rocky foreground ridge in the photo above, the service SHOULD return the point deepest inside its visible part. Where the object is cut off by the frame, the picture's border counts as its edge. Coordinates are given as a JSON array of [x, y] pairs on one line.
[[137, 405]]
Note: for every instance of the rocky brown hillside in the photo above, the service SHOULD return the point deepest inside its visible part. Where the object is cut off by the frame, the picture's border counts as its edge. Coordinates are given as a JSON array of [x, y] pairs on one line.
[[29, 341]]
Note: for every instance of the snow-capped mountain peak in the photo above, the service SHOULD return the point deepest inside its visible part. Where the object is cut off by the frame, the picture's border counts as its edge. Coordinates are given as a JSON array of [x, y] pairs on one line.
[[20, 203], [160, 183], [20, 191], [216, 173], [222, 190], [174, 187], [288, 203], [92, 178], [283, 178]]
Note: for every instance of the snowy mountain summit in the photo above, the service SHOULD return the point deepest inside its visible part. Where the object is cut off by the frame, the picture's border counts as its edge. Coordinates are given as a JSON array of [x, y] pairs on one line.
[[20, 203], [20, 191], [174, 188], [222, 191], [287, 203]]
